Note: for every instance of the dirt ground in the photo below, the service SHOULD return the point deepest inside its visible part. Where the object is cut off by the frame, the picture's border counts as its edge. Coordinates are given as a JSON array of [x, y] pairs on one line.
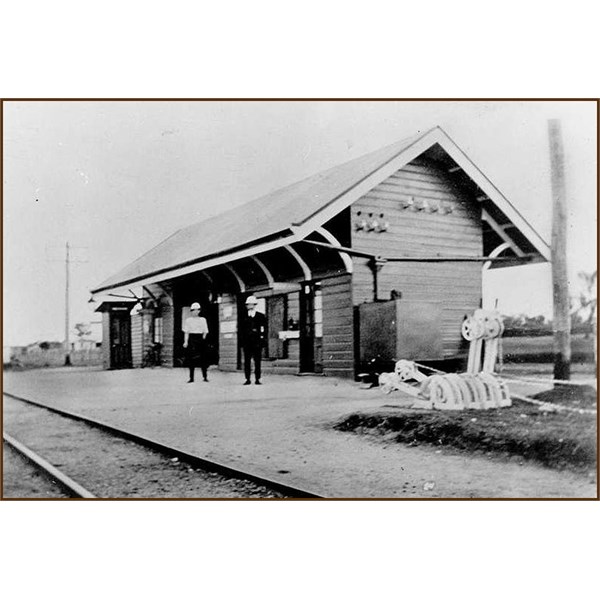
[[559, 440], [283, 430], [22, 480]]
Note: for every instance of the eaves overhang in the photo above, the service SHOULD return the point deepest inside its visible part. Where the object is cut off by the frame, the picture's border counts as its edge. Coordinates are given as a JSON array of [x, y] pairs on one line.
[[269, 243]]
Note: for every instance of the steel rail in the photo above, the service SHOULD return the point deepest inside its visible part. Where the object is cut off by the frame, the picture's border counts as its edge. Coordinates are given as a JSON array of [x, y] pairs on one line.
[[195, 461], [63, 480], [551, 406]]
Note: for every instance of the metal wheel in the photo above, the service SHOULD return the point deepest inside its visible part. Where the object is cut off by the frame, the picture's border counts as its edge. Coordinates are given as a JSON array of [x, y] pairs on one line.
[[493, 396], [441, 393], [405, 370], [387, 388], [461, 389], [492, 327], [505, 399], [472, 329], [471, 398], [476, 388], [385, 383], [424, 388], [501, 326], [435, 392]]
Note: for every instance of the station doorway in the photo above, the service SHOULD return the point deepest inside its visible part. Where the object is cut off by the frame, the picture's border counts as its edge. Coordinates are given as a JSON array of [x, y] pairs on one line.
[[210, 311], [311, 329], [120, 338]]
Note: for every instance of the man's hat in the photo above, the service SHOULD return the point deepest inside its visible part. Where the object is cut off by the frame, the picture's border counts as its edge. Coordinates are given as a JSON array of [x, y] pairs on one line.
[[251, 300], [195, 306]]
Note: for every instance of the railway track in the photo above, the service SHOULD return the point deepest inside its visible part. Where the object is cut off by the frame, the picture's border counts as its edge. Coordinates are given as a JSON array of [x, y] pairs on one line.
[[257, 485], [70, 486]]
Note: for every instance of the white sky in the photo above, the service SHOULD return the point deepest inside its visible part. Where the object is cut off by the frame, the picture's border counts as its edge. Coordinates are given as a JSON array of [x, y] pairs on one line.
[[116, 178], [272, 49]]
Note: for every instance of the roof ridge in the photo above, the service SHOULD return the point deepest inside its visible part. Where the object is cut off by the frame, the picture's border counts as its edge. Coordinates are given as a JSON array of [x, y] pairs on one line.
[[320, 174]]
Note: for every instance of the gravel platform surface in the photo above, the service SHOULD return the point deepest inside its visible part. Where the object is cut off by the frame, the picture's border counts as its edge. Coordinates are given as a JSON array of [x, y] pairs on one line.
[[283, 430]]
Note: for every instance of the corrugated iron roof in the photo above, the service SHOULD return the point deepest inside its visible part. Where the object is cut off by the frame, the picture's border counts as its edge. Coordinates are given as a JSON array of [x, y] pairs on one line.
[[266, 217]]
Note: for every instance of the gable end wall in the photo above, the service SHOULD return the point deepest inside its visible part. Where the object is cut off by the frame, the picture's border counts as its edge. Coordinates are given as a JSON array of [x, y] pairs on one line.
[[456, 286]]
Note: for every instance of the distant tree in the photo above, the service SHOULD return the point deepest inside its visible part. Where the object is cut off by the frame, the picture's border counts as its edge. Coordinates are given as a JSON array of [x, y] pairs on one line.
[[576, 321], [514, 321], [526, 322], [537, 322], [83, 329], [585, 305], [44, 345], [523, 325]]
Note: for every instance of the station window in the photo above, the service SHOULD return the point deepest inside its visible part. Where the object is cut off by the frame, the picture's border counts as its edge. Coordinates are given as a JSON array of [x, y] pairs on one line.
[[318, 313], [158, 330]]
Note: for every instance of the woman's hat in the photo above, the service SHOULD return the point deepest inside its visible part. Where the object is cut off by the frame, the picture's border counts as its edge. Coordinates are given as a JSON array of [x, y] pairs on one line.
[[251, 300], [195, 306]]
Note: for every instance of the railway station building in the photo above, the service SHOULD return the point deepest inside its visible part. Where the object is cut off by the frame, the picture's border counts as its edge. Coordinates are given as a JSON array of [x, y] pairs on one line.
[[380, 258]]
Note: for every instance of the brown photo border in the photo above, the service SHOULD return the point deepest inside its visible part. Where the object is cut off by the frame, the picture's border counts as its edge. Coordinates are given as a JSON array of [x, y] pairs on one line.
[[274, 99]]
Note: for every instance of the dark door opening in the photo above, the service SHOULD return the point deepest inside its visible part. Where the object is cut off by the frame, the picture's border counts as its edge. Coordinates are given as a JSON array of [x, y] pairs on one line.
[[241, 314], [120, 339], [276, 322], [210, 310], [307, 329]]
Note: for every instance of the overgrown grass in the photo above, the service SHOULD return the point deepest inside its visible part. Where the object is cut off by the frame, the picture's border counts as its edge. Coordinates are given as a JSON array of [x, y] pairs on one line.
[[574, 396], [539, 348], [565, 440]]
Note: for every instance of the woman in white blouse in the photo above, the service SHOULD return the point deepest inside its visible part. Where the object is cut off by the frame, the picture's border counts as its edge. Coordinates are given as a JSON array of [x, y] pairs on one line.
[[195, 329]]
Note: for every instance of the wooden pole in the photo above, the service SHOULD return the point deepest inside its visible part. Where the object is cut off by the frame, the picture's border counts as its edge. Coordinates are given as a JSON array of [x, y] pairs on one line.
[[560, 283], [67, 340]]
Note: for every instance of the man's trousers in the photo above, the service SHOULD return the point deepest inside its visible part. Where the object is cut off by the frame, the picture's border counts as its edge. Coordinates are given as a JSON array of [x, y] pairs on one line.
[[252, 353]]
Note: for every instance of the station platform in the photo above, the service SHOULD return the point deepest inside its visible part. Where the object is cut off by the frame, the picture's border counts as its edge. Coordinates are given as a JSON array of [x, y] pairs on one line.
[[282, 430]]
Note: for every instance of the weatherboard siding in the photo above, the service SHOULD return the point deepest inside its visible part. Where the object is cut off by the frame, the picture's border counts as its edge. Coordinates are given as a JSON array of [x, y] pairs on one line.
[[338, 326], [457, 286], [168, 316], [136, 340], [228, 342], [338, 348], [163, 295], [106, 341]]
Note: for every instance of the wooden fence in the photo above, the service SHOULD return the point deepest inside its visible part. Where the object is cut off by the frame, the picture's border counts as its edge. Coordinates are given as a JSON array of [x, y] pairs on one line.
[[55, 357]]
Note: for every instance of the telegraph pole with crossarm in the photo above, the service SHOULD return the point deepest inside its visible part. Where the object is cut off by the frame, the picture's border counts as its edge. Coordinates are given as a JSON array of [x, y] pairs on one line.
[[67, 260]]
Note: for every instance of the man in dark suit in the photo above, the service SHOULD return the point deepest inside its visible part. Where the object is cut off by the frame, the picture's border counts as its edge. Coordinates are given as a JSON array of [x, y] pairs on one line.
[[253, 335]]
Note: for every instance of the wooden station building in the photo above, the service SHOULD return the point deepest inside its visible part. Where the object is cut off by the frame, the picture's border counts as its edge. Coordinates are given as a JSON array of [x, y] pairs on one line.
[[379, 257]]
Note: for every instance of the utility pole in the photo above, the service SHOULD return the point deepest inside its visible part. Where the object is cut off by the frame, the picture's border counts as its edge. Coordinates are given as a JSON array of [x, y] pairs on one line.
[[68, 260], [560, 283], [67, 341]]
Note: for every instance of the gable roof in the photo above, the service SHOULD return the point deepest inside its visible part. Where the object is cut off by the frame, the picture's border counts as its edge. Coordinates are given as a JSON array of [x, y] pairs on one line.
[[297, 210]]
